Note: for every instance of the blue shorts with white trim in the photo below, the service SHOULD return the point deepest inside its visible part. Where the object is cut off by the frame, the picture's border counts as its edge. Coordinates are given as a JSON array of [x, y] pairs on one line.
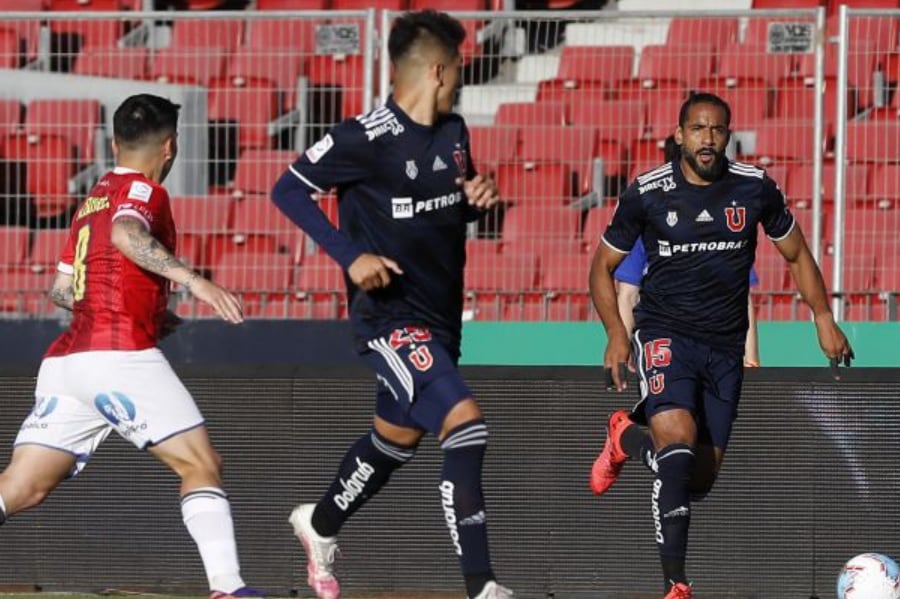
[[418, 379]]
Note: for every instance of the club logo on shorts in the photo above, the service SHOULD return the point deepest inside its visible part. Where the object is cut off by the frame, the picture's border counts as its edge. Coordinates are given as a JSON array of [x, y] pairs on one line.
[[116, 407], [736, 218], [44, 406]]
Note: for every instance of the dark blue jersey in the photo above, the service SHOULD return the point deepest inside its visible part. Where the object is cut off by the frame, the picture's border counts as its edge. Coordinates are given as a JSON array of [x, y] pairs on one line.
[[398, 197], [633, 268], [701, 244]]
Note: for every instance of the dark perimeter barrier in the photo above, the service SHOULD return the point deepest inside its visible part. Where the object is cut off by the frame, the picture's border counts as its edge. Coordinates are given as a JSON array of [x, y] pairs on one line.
[[811, 479]]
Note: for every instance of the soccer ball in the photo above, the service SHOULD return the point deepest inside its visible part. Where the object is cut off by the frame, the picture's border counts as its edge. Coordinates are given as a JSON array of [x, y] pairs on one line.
[[869, 576]]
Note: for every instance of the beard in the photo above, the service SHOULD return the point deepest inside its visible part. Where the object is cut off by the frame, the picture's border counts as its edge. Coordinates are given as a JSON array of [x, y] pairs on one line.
[[708, 172]]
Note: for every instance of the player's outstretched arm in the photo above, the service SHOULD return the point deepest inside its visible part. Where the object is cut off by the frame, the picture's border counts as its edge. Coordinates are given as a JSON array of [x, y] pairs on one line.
[[603, 294], [62, 293], [131, 237], [811, 286]]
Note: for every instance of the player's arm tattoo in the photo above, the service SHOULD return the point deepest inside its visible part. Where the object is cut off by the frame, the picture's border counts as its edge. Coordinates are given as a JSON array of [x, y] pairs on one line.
[[139, 246], [62, 293]]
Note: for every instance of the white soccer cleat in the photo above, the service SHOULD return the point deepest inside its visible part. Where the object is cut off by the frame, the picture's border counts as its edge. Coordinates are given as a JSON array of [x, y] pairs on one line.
[[320, 552], [492, 590]]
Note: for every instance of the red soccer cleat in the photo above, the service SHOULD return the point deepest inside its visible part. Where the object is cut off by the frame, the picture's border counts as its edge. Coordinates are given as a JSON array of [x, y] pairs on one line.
[[680, 590], [609, 463]]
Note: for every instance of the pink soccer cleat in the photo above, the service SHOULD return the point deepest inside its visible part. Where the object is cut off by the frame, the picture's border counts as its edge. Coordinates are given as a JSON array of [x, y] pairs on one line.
[[609, 463], [320, 551]]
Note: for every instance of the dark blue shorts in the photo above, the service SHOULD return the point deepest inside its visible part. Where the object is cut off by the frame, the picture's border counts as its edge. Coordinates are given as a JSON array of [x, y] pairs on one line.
[[679, 372], [418, 380]]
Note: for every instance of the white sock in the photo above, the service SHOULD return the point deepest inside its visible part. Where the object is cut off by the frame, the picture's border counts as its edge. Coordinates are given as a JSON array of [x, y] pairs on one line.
[[207, 516]]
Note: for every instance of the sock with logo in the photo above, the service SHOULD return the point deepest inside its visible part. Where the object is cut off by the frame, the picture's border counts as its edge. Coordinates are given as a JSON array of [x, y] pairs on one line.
[[671, 506], [463, 501], [207, 516], [637, 444], [367, 466]]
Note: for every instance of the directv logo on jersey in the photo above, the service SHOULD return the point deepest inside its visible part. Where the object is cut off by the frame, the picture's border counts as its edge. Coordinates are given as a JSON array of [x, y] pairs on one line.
[[666, 183], [402, 207], [392, 126]]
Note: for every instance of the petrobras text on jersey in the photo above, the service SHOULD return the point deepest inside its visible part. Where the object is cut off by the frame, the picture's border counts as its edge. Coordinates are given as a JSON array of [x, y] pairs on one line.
[[444, 201], [667, 184], [668, 249]]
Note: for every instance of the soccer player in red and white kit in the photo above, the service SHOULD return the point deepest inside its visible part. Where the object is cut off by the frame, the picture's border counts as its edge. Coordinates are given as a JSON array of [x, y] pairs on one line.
[[105, 372]]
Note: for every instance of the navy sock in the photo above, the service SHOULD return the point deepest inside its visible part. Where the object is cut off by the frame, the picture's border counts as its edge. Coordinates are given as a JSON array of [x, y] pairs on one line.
[[366, 467], [671, 503], [463, 502], [638, 444]]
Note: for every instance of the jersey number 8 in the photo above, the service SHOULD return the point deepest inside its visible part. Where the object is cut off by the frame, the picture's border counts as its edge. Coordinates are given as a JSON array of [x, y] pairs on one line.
[[79, 267]]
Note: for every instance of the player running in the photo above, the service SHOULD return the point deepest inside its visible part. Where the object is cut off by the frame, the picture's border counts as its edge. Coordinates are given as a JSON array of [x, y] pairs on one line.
[[407, 190], [697, 217], [105, 373]]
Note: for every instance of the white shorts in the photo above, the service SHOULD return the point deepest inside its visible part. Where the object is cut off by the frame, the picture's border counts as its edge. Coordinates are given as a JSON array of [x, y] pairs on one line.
[[81, 397]]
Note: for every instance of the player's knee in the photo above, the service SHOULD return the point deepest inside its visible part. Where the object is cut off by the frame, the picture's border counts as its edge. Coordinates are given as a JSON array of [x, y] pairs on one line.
[[205, 465]]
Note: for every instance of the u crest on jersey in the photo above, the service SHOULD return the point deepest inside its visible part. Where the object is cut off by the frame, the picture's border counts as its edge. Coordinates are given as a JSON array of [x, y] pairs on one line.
[[736, 218]]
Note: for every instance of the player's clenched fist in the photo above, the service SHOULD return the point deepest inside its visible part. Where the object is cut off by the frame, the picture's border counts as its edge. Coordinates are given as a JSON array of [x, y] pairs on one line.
[[480, 191], [832, 340], [370, 271], [223, 302]]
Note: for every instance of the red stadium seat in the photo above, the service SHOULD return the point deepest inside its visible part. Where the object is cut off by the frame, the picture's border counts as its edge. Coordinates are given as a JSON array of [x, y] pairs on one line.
[[565, 272], [295, 34], [207, 33], [255, 64], [477, 249], [292, 4], [120, 63], [595, 224], [716, 31], [257, 216], [645, 155], [544, 246], [46, 249], [252, 273], [572, 146], [323, 308], [778, 140], [795, 100], [252, 108], [364, 4], [662, 114], [14, 243], [78, 121], [771, 267], [505, 273], [541, 184], [25, 292], [103, 33], [188, 65], [753, 61], [800, 190], [11, 46], [346, 72], [884, 186], [861, 64], [493, 146], [531, 114], [191, 248], [319, 273], [204, 215], [747, 98], [874, 34], [570, 93], [258, 170], [617, 120], [603, 64], [685, 63], [873, 141], [10, 117], [541, 222], [49, 164]]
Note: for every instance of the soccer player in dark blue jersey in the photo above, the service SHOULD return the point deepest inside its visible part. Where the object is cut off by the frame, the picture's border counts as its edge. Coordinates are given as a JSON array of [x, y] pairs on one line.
[[697, 217], [406, 192]]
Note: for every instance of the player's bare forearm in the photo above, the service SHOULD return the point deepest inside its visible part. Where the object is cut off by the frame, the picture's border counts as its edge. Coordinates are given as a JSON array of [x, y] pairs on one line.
[[627, 297], [805, 272], [603, 290], [132, 239], [62, 293]]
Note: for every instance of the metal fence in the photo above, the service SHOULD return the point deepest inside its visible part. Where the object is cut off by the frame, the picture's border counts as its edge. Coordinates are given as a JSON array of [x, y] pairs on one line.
[[565, 108]]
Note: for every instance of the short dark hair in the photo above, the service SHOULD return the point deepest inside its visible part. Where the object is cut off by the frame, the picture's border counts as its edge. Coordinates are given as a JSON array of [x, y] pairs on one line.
[[143, 118], [413, 26], [703, 98]]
